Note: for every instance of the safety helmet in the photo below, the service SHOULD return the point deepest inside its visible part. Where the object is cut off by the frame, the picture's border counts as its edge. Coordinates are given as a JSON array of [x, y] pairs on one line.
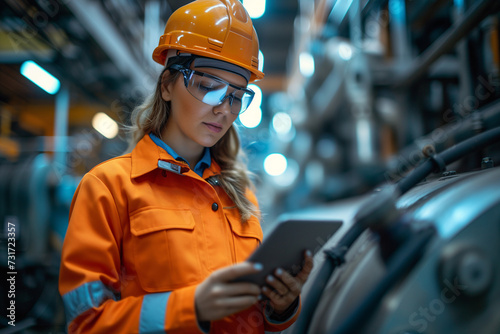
[[220, 29]]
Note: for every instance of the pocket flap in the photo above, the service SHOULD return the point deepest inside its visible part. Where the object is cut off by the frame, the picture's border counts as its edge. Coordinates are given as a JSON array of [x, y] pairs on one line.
[[249, 229], [157, 219]]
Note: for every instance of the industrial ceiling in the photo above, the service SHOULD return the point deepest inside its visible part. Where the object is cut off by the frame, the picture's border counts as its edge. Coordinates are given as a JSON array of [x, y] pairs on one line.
[[101, 52]]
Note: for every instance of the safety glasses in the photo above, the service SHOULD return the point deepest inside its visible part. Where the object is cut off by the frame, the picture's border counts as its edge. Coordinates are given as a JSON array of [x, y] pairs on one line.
[[213, 91]]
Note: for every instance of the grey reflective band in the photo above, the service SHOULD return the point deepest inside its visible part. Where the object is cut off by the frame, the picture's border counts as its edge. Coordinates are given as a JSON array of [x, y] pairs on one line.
[[221, 65], [169, 166], [153, 313], [84, 298]]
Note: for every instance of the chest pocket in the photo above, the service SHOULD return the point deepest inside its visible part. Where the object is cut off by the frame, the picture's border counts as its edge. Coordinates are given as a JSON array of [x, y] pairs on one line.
[[246, 236], [165, 248]]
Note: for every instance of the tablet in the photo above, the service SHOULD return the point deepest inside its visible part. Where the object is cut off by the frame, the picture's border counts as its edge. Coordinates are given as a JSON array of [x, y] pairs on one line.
[[284, 247]]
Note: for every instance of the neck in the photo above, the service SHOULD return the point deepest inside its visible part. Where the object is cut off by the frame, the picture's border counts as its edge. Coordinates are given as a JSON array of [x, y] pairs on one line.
[[191, 152]]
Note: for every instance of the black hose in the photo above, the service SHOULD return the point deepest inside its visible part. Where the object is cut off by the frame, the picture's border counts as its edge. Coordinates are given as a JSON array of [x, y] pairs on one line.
[[334, 258], [400, 263], [331, 263], [448, 156]]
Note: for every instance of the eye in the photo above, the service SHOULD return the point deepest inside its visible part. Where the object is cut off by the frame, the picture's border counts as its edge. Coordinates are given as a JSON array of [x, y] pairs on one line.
[[210, 85], [239, 95]]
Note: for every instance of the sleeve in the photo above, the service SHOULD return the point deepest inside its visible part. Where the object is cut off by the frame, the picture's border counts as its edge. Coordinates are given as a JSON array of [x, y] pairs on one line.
[[91, 277], [277, 324]]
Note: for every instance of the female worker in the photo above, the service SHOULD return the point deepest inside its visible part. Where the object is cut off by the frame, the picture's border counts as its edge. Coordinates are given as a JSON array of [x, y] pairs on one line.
[[157, 237]]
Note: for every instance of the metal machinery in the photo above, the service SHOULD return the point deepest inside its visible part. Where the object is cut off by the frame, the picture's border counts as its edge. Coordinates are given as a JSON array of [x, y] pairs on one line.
[[414, 93], [412, 258], [391, 77]]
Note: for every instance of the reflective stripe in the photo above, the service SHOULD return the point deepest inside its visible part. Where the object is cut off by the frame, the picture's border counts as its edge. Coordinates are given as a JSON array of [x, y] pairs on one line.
[[85, 297], [153, 312]]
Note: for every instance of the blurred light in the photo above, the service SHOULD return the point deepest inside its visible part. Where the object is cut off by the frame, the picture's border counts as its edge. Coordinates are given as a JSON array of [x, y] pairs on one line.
[[40, 77], [345, 51], [255, 8], [275, 164], [397, 10], [340, 10], [290, 175], [306, 64], [252, 117], [261, 61], [282, 123], [364, 142], [105, 125], [257, 99]]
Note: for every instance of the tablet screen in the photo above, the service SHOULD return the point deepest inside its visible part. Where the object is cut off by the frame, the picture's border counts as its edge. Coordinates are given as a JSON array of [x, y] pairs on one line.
[[284, 247]]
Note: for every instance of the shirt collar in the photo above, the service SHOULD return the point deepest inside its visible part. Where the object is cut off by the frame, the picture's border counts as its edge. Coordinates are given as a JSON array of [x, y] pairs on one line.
[[203, 163], [146, 155]]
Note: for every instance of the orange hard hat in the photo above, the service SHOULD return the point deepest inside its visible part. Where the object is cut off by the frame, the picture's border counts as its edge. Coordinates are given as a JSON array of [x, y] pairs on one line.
[[220, 29]]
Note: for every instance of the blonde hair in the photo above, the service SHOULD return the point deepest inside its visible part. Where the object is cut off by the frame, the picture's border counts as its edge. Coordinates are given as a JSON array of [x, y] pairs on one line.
[[151, 117]]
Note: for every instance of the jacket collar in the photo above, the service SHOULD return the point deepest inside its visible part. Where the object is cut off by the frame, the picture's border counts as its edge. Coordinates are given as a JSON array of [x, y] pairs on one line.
[[147, 156]]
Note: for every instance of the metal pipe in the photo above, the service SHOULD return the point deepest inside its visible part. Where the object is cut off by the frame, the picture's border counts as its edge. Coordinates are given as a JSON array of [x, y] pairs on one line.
[[445, 43], [61, 128]]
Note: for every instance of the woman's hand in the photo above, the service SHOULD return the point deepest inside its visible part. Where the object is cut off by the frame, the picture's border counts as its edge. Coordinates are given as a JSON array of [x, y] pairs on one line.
[[217, 297], [284, 288]]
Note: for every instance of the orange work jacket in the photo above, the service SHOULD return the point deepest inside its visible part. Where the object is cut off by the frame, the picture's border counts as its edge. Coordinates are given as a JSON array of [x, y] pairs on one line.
[[144, 231]]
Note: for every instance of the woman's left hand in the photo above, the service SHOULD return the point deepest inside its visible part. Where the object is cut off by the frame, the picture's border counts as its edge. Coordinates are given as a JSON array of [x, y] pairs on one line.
[[284, 288]]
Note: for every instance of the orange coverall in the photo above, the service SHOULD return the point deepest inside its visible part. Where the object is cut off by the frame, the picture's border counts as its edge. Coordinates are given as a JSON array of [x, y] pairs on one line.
[[144, 231]]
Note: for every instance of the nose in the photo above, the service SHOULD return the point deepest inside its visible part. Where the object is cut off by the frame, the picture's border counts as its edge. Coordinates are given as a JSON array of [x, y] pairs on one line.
[[225, 106]]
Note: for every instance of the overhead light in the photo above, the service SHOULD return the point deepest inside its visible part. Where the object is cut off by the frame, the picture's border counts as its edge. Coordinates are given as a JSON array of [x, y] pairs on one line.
[[255, 8], [282, 123], [251, 118], [40, 77], [257, 99], [275, 164], [261, 61], [306, 64], [340, 10], [105, 125], [345, 51]]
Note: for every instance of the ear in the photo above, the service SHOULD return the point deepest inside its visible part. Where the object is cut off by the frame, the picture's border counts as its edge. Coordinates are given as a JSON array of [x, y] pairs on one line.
[[166, 89]]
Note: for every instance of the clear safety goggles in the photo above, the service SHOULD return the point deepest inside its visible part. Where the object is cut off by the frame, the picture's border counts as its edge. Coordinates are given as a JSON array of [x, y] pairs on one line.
[[212, 90]]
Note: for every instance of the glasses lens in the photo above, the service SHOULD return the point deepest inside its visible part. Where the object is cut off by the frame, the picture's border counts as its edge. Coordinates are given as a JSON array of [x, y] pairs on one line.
[[213, 92], [207, 90], [246, 100]]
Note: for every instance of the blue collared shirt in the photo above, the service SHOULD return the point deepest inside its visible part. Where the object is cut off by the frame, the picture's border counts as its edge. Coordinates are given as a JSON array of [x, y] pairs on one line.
[[205, 161]]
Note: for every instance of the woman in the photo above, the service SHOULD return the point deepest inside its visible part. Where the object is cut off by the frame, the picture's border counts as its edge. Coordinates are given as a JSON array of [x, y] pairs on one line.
[[157, 237]]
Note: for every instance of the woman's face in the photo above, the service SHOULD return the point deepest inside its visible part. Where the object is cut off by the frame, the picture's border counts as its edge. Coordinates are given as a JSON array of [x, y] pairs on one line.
[[192, 124]]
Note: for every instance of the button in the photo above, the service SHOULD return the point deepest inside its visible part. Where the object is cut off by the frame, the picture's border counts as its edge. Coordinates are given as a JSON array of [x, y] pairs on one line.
[[215, 206]]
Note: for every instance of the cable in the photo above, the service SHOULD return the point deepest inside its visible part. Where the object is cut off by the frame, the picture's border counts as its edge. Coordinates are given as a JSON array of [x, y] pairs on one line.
[[399, 264], [448, 156], [334, 257], [372, 216]]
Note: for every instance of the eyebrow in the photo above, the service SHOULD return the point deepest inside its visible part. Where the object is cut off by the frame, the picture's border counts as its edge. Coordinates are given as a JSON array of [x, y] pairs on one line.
[[219, 79]]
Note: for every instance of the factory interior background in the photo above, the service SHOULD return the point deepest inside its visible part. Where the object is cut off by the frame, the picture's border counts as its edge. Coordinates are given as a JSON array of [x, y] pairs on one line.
[[354, 90]]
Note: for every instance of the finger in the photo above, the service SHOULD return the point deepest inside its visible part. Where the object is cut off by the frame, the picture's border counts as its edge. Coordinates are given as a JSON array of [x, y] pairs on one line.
[[232, 272], [240, 289], [291, 283], [306, 268], [272, 295], [276, 283], [237, 303]]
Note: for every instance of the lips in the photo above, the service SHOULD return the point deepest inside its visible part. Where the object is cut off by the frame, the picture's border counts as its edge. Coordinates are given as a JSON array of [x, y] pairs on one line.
[[214, 127]]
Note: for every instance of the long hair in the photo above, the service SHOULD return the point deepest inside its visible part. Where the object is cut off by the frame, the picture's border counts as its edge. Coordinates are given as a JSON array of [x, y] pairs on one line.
[[151, 117]]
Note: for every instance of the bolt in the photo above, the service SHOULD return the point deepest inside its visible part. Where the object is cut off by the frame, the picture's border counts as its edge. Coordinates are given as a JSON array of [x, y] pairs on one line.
[[449, 173], [486, 163]]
